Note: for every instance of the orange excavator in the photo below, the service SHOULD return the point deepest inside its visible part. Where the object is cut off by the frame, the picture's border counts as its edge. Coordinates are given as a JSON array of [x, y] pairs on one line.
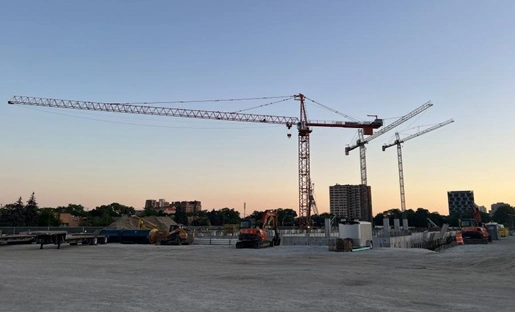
[[255, 236], [473, 231]]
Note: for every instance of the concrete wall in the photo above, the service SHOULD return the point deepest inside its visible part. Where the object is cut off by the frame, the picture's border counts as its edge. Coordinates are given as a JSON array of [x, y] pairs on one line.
[[405, 241], [285, 241], [303, 241]]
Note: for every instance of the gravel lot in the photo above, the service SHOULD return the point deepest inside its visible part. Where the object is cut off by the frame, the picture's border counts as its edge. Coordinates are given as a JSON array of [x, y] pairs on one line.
[[116, 277]]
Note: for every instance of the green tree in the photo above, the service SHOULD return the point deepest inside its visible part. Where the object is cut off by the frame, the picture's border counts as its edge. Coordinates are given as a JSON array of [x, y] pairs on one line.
[[505, 215], [394, 213], [30, 211], [105, 214], [286, 217], [215, 219], [73, 209], [14, 215], [150, 211], [378, 219], [200, 219], [419, 218], [47, 217], [257, 215], [180, 216], [230, 216]]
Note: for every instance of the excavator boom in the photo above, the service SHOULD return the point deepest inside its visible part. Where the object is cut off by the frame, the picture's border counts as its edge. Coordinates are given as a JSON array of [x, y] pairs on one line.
[[253, 236]]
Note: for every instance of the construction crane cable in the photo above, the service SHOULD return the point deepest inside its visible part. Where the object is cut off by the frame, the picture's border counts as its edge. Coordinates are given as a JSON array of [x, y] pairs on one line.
[[260, 106], [146, 125], [215, 100], [332, 110]]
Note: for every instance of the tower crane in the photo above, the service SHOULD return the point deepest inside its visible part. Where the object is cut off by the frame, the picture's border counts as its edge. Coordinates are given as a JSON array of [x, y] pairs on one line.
[[362, 141], [312, 201], [399, 142], [303, 126]]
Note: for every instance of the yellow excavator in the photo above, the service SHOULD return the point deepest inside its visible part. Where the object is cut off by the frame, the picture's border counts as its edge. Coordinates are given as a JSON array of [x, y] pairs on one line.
[[175, 235]]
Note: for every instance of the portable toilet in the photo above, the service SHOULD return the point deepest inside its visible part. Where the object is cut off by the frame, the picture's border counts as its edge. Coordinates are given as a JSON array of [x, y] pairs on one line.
[[493, 230]]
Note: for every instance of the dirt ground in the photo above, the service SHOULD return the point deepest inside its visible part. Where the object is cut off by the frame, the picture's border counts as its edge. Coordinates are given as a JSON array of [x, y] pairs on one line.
[[116, 277]]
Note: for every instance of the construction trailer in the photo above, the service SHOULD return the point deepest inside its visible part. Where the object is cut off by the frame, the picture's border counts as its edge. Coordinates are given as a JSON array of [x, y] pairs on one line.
[[359, 231]]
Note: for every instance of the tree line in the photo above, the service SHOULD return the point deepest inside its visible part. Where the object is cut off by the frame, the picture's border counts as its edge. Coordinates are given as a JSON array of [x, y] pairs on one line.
[[28, 213], [505, 215]]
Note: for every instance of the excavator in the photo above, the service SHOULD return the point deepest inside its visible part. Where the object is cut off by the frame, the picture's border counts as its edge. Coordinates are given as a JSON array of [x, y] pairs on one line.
[[175, 235], [253, 235], [473, 231]]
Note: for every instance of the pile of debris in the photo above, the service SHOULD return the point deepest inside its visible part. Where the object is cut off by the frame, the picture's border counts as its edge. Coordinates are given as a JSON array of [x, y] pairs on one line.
[[131, 222]]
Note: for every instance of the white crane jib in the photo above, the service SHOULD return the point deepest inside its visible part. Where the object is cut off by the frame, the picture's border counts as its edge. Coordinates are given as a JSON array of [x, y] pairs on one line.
[[362, 141], [399, 142]]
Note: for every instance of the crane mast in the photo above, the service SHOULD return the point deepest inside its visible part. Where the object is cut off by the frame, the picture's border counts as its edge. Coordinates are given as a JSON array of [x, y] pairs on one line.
[[362, 158], [303, 126], [312, 201], [398, 142], [362, 141]]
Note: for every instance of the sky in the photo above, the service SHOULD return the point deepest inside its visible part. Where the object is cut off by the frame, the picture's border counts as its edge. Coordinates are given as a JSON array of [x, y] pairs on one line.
[[359, 58]]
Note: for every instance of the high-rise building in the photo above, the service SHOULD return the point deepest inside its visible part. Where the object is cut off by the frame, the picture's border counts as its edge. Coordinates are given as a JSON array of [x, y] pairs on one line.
[[188, 206], [351, 201], [162, 205], [151, 203], [460, 202]]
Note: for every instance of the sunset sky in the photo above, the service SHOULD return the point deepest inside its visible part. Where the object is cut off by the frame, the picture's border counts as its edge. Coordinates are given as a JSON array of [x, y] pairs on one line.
[[360, 58]]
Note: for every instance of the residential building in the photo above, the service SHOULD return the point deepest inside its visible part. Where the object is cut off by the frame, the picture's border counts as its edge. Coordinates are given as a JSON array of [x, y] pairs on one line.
[[188, 206], [351, 201], [67, 220], [460, 202], [151, 203], [170, 208]]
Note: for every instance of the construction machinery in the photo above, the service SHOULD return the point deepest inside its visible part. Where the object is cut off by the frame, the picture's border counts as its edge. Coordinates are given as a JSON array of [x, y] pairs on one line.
[[473, 231], [254, 235], [174, 235], [302, 123], [177, 235], [362, 140]]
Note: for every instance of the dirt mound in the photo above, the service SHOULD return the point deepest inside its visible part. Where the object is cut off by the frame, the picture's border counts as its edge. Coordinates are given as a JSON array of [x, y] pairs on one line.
[[131, 222]]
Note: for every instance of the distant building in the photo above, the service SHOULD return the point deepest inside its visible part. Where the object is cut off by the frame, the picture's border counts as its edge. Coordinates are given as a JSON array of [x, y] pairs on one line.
[[482, 209], [188, 206], [67, 220], [151, 203], [351, 201], [460, 202], [494, 207], [163, 203], [170, 208]]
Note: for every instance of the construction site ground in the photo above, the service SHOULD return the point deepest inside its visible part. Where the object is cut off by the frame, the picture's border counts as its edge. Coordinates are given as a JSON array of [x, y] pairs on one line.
[[117, 277]]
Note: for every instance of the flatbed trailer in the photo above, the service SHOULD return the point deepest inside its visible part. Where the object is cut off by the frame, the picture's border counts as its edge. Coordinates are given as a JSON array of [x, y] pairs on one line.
[[86, 239], [60, 237], [50, 237], [17, 239]]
